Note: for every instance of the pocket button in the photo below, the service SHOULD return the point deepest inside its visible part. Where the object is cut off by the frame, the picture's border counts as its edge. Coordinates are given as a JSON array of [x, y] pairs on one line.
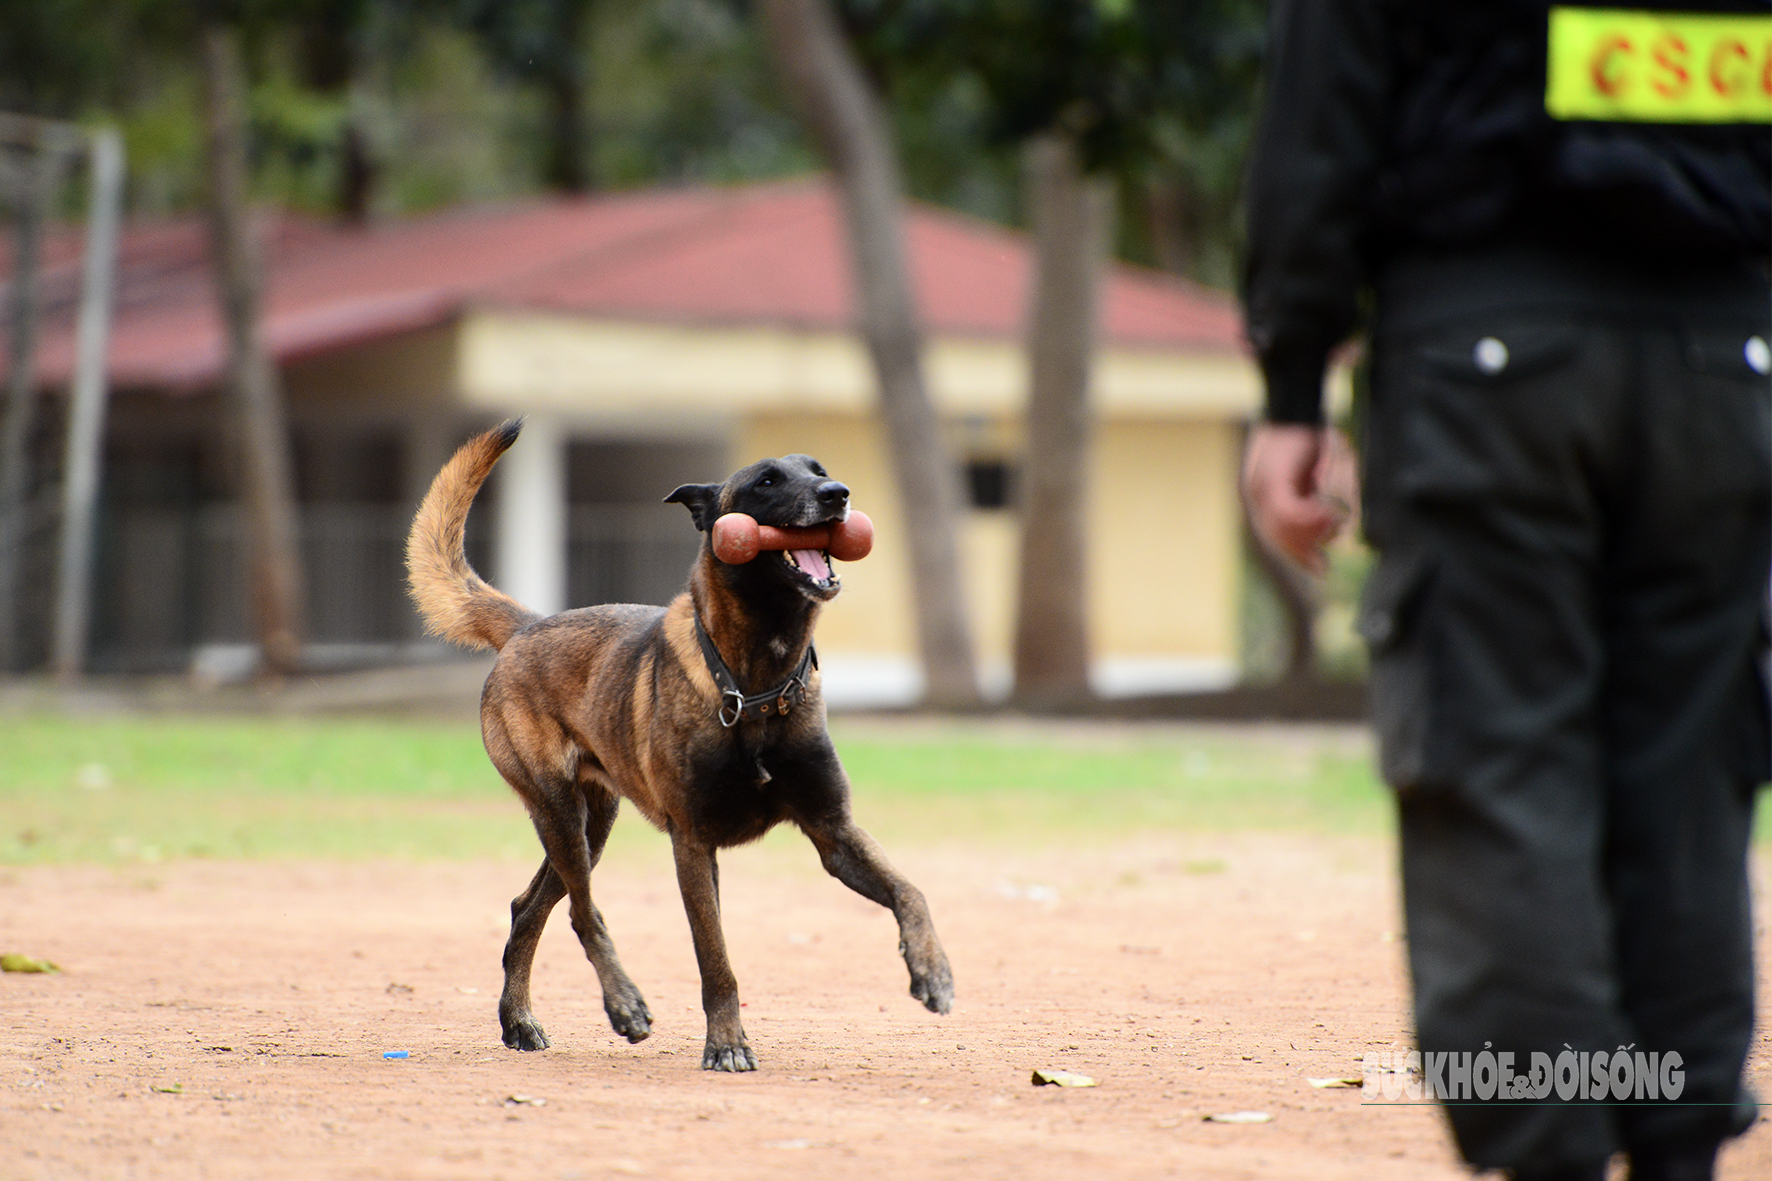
[[1490, 355], [1378, 627], [1758, 355]]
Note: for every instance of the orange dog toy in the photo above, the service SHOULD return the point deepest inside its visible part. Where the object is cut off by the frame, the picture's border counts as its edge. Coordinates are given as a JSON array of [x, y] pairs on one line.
[[738, 538]]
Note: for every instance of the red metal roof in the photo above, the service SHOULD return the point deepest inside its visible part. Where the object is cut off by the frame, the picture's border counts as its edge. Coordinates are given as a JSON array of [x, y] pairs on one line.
[[771, 254]]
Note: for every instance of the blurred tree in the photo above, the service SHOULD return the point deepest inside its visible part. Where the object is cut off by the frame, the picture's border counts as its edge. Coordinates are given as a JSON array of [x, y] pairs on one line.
[[1162, 93], [685, 92], [56, 54], [253, 383], [1181, 196], [1071, 216], [545, 42], [1096, 90], [329, 36], [844, 114]]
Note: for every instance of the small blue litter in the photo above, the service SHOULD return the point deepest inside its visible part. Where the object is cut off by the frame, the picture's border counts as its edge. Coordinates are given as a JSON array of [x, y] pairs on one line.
[[395, 1054]]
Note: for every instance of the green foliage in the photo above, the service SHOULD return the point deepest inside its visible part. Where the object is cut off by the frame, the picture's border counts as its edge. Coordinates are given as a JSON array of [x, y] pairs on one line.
[[1160, 93], [683, 92], [452, 100], [1122, 76], [54, 54], [443, 128]]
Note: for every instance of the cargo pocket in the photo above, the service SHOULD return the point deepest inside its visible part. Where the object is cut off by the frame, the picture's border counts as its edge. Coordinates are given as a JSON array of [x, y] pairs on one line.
[[1401, 681], [1500, 358], [1468, 410]]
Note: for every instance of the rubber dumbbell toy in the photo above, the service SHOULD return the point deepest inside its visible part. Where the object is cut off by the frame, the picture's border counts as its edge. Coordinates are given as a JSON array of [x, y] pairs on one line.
[[738, 538]]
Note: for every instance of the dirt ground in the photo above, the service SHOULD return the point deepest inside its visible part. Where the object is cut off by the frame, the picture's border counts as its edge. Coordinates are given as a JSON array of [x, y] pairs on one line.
[[229, 1020]]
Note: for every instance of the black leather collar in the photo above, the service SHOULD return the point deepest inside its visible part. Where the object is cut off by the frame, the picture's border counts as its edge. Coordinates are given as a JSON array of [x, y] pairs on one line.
[[734, 705]]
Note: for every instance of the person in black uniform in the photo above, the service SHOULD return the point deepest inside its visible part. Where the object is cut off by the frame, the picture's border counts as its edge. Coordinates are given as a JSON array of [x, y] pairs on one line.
[[1566, 451]]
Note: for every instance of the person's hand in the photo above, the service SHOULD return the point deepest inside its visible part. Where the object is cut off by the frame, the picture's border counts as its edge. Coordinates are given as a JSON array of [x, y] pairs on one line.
[[1300, 485]]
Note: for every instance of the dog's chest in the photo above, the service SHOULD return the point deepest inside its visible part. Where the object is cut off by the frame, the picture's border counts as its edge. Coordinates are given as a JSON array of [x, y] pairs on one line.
[[737, 794]]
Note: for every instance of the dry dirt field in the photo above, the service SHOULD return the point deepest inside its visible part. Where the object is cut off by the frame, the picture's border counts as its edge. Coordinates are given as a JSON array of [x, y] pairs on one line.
[[229, 1020]]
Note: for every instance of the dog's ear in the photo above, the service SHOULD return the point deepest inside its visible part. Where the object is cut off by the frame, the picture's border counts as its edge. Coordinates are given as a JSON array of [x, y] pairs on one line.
[[702, 501]]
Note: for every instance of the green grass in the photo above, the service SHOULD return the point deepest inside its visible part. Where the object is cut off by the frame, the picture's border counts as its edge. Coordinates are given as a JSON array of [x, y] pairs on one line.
[[116, 789], [1033, 781]]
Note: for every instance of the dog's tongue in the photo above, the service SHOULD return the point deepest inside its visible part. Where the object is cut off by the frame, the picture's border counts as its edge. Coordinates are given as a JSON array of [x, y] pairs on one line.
[[812, 562]]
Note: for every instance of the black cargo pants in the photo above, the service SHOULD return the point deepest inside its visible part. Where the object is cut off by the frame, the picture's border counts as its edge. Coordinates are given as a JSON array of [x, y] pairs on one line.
[[1573, 510]]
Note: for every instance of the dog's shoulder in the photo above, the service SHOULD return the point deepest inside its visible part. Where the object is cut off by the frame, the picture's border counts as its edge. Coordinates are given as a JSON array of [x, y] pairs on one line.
[[682, 649]]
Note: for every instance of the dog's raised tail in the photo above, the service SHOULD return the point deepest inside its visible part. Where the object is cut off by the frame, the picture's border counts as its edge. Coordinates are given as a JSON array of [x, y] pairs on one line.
[[457, 604]]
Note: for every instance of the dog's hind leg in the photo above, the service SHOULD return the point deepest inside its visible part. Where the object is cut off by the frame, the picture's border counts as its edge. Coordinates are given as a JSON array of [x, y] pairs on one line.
[[854, 858], [573, 828], [529, 914], [698, 877]]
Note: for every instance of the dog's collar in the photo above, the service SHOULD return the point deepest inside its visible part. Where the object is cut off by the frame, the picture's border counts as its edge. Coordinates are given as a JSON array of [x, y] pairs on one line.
[[734, 705]]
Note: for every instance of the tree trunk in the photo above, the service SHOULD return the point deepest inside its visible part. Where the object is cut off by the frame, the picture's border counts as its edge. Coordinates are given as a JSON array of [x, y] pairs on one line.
[[29, 172], [568, 164], [21, 403], [331, 61], [1071, 216], [269, 525], [1299, 598], [844, 116], [566, 169], [1172, 214], [1299, 603], [357, 175]]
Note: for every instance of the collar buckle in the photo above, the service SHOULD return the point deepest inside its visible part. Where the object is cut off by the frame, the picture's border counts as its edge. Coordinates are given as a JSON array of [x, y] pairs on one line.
[[732, 704]]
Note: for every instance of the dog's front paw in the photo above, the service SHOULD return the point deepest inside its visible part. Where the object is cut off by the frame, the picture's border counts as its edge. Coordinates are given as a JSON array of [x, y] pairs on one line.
[[630, 1018], [934, 986], [736, 1059], [525, 1033]]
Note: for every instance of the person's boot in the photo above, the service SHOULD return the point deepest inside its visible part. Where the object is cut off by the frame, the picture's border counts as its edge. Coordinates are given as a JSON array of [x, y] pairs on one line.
[[1744, 1114], [1686, 1163], [1590, 1171], [1694, 1161]]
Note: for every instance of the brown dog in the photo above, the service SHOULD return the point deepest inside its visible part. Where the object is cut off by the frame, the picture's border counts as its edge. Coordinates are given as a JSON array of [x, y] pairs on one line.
[[588, 706]]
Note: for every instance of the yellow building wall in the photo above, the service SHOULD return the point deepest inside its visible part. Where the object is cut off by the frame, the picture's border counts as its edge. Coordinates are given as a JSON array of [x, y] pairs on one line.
[[564, 364], [1164, 540]]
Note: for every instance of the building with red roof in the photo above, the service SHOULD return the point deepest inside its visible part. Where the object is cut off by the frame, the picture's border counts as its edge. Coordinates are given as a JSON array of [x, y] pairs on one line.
[[651, 339]]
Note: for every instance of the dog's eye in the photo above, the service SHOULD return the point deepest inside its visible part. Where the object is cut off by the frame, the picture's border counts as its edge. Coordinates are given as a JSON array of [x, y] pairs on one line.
[[766, 481]]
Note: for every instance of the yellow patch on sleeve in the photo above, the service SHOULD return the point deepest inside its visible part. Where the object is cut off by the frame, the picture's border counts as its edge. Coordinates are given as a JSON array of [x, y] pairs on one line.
[[1628, 65]]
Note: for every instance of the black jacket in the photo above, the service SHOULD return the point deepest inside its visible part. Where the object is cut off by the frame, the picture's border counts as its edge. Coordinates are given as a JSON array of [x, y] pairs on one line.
[[1404, 128]]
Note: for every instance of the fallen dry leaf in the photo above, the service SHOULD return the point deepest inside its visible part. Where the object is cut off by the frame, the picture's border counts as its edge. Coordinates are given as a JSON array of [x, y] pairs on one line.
[[1061, 1078], [12, 961], [1240, 1117]]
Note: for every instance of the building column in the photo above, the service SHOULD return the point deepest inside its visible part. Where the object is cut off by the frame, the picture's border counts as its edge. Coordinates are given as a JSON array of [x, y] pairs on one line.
[[530, 542]]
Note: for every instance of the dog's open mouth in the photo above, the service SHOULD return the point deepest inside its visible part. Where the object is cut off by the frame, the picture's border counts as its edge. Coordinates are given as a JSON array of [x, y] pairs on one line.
[[812, 566]]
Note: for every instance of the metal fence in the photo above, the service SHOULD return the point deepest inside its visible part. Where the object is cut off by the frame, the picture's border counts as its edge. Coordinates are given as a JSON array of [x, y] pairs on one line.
[[628, 554], [173, 580]]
